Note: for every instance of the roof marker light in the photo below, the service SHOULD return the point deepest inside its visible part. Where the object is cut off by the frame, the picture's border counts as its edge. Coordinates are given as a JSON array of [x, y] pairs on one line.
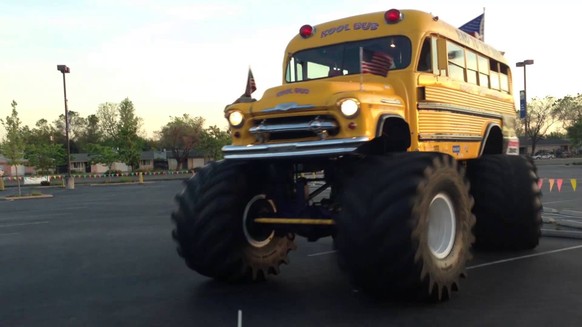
[[393, 16], [306, 31]]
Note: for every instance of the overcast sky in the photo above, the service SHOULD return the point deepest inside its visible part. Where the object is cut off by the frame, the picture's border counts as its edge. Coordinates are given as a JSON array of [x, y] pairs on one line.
[[189, 56]]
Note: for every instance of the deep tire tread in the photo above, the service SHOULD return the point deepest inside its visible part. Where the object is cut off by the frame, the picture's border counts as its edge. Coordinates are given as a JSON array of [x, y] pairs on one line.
[[377, 238], [507, 202], [208, 226]]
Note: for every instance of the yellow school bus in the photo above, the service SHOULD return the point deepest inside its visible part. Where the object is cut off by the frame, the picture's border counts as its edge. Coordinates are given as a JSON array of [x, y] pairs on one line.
[[447, 92], [379, 126]]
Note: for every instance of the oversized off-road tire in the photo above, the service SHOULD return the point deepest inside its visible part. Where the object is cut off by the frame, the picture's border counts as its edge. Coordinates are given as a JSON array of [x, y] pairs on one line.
[[405, 226], [214, 225], [508, 202]]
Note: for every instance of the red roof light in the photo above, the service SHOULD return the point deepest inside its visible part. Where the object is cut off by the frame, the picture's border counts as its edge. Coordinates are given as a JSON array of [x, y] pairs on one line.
[[393, 16], [306, 31]]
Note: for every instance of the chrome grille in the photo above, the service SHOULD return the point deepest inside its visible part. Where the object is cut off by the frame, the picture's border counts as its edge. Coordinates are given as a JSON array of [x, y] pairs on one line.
[[295, 127]]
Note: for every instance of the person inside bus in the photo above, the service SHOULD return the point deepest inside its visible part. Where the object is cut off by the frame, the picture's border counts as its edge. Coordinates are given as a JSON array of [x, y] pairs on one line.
[[334, 71]]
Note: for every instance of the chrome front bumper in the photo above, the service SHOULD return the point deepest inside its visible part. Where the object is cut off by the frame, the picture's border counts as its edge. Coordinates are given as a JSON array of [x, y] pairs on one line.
[[332, 147]]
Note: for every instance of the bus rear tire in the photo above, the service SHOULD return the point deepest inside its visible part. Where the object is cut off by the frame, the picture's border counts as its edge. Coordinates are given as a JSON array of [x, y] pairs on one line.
[[508, 202]]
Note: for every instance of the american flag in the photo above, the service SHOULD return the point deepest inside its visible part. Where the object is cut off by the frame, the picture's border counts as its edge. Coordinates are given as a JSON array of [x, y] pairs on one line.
[[251, 85], [475, 27], [375, 62]]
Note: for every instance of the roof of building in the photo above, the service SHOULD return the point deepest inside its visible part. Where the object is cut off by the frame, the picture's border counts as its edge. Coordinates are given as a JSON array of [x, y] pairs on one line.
[[547, 141], [4, 160], [191, 154], [80, 157], [153, 155], [145, 155]]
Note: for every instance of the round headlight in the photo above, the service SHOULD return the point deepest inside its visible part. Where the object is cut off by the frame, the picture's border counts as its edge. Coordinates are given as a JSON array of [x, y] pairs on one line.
[[235, 118], [349, 107]]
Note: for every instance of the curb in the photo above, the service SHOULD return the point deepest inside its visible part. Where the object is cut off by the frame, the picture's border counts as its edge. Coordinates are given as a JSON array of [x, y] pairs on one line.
[[573, 213], [28, 197], [570, 218], [567, 212], [550, 210], [562, 233], [569, 223], [119, 184]]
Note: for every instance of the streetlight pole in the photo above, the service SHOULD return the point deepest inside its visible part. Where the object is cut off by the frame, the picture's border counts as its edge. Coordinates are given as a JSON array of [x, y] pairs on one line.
[[523, 93], [70, 180]]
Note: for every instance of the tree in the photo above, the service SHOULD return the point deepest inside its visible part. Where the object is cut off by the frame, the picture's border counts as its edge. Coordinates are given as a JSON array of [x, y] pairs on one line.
[[568, 110], [107, 118], [43, 132], [42, 151], [556, 135], [103, 154], [119, 127], [575, 133], [45, 157], [13, 145], [213, 139], [539, 119], [148, 144], [181, 135], [91, 134], [76, 127], [127, 139]]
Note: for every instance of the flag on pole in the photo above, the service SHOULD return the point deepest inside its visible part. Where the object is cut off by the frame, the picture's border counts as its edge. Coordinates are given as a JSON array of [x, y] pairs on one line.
[[251, 85], [375, 62], [475, 27]]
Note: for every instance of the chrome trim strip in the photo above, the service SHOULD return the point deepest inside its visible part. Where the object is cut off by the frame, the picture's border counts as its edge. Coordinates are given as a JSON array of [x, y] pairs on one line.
[[288, 106], [457, 109], [312, 126], [295, 149], [391, 101], [448, 137]]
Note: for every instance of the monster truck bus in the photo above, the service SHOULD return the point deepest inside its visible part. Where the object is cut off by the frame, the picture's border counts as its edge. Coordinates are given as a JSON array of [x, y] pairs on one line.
[[393, 133]]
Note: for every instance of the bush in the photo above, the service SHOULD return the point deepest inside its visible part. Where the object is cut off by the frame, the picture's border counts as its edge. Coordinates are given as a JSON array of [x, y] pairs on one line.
[[45, 183]]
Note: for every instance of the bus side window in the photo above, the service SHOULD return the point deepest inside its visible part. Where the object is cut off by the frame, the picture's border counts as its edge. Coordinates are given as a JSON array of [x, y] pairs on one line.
[[425, 59], [456, 61], [494, 74]]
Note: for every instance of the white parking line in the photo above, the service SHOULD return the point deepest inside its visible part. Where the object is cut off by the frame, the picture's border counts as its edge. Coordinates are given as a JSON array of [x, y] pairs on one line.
[[321, 253], [561, 201], [523, 257], [25, 224], [239, 324], [35, 216], [487, 263]]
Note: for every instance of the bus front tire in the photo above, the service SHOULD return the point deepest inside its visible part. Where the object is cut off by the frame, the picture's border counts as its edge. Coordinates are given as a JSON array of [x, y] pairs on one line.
[[405, 226]]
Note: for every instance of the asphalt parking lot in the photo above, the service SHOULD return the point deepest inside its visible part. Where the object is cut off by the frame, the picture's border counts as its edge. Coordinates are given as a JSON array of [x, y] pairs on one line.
[[103, 256]]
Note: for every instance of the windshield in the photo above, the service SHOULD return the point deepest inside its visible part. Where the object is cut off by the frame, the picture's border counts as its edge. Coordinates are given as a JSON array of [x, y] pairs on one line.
[[346, 58]]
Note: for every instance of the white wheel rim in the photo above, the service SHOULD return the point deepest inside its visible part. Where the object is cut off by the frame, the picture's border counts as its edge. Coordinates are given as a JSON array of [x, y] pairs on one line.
[[441, 226], [250, 239]]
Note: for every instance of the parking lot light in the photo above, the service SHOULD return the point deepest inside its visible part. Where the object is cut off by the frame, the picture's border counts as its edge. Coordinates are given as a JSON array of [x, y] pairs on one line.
[[70, 181]]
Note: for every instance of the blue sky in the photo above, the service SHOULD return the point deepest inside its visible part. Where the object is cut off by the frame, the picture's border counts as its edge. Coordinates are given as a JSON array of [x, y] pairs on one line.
[[188, 56]]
